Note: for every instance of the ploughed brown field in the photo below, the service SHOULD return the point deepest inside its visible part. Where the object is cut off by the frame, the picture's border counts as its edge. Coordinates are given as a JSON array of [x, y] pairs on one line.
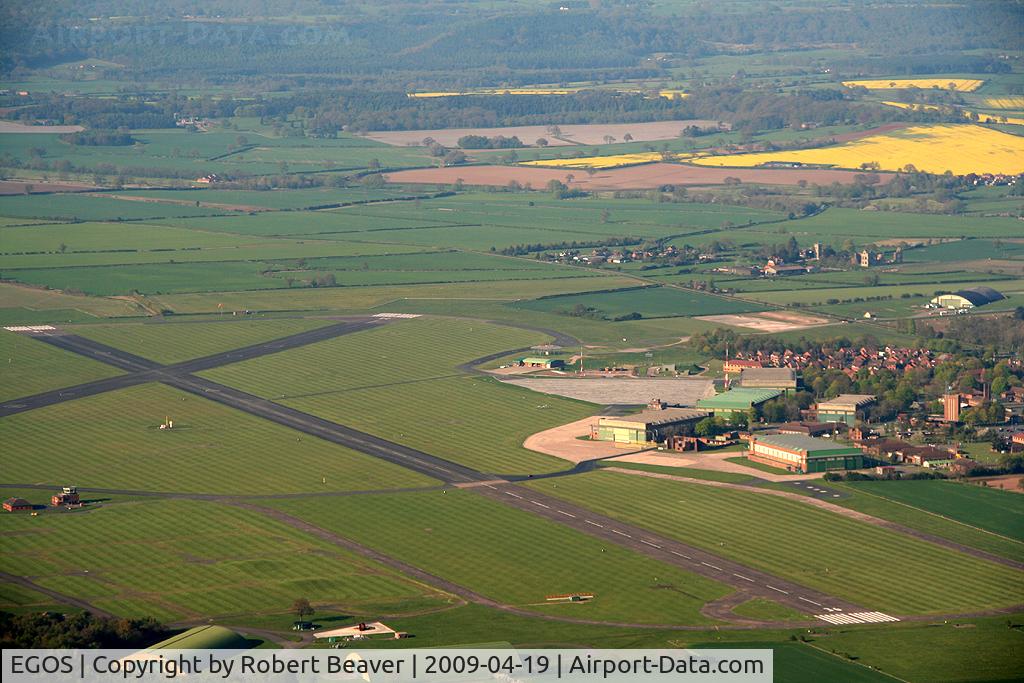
[[642, 177]]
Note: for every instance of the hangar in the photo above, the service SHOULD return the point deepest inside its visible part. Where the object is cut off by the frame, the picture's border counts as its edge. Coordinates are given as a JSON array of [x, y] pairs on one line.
[[734, 401], [650, 426], [799, 453], [968, 298]]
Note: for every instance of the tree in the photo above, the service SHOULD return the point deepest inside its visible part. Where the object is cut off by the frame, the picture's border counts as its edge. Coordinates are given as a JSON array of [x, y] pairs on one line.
[[302, 609]]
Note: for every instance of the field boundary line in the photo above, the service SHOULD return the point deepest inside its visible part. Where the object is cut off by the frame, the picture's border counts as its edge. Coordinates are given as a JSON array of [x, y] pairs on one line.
[[853, 661]]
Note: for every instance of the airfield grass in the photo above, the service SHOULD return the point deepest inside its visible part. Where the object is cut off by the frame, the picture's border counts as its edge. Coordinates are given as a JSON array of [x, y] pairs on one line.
[[28, 366], [171, 342], [363, 298], [810, 546], [33, 300], [691, 472], [480, 544], [768, 610], [192, 559], [604, 332], [994, 510], [650, 302], [112, 440], [400, 382], [866, 501]]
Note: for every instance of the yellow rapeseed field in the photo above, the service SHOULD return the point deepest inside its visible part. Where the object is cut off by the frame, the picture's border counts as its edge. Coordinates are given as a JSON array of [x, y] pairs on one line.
[[982, 117], [960, 148], [961, 84], [1004, 102], [602, 162]]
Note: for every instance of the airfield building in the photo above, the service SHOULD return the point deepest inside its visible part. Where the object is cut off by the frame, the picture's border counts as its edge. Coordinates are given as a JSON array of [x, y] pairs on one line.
[[846, 408], [647, 427], [968, 298], [17, 505], [736, 401], [783, 379], [542, 362], [799, 453]]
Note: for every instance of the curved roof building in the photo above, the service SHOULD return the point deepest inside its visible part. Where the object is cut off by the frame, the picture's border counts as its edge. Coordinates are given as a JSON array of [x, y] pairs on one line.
[[968, 298]]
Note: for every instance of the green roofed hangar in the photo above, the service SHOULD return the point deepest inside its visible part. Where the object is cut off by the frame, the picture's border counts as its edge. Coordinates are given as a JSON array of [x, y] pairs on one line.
[[799, 453], [737, 401]]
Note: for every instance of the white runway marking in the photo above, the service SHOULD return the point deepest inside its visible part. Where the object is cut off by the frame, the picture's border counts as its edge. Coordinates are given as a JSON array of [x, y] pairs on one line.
[[653, 545], [563, 512]]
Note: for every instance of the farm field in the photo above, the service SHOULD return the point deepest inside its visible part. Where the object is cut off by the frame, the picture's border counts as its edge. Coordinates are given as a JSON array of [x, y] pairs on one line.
[[999, 512], [599, 162], [652, 302], [960, 148], [960, 84], [478, 543], [194, 559], [577, 134], [836, 224], [170, 342], [86, 207], [366, 379], [805, 544], [642, 177], [112, 440], [269, 199], [31, 367]]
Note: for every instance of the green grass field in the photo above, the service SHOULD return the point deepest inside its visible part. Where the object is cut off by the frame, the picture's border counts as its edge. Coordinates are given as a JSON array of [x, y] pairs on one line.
[[171, 342], [1000, 512], [400, 382], [113, 440], [480, 544], [89, 207], [863, 500], [817, 548], [29, 367], [178, 559], [652, 302]]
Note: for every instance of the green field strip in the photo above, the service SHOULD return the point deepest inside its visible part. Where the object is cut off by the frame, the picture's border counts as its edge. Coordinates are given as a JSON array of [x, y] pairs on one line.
[[480, 545], [191, 558], [831, 553], [113, 441]]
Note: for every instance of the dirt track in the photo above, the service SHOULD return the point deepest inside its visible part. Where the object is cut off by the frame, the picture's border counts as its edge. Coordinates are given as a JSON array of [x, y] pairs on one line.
[[644, 177]]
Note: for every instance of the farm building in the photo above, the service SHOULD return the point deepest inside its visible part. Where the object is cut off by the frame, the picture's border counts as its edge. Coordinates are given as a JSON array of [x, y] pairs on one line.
[[846, 408], [783, 379], [650, 426], [968, 298], [735, 401], [799, 453], [17, 505], [542, 362]]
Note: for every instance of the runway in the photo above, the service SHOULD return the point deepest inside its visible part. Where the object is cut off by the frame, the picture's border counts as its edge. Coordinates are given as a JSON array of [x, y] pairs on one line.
[[500, 489]]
